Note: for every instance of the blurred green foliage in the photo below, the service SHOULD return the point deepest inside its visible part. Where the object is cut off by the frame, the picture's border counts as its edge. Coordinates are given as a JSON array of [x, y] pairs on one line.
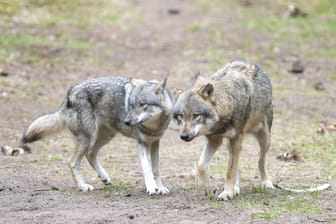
[[32, 28]]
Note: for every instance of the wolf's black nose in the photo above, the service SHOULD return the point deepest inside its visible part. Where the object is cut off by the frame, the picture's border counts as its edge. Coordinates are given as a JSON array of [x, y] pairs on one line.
[[185, 136], [127, 122]]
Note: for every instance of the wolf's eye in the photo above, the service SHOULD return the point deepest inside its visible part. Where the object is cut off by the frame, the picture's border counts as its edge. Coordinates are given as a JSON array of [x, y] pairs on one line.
[[197, 117], [142, 105], [178, 117]]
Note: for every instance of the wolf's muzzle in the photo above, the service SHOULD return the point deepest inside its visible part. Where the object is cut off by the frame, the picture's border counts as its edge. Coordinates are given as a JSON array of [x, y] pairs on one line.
[[128, 122], [186, 137]]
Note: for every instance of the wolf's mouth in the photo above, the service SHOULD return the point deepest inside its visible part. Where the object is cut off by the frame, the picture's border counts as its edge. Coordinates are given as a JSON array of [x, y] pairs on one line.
[[188, 140], [187, 137], [130, 122]]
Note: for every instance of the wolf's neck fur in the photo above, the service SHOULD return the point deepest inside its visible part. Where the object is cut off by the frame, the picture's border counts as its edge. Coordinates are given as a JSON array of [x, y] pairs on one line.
[[155, 127]]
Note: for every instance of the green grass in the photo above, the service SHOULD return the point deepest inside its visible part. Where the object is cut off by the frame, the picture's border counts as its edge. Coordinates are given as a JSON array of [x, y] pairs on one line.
[[124, 15], [16, 47], [267, 21], [8, 7], [216, 204], [85, 14], [269, 214], [4, 82], [13, 87], [318, 26], [44, 25], [306, 28], [33, 40], [291, 205], [190, 185], [79, 45], [216, 56], [22, 40], [319, 149], [57, 3], [276, 204], [195, 27], [270, 205], [53, 157]]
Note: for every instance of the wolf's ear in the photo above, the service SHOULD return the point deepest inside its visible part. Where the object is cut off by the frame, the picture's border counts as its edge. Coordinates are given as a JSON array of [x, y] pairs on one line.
[[198, 78], [177, 92], [206, 92], [161, 86]]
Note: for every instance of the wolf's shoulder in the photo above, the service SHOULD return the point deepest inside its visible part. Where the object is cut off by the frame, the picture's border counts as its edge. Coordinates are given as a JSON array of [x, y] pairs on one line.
[[245, 67], [249, 68]]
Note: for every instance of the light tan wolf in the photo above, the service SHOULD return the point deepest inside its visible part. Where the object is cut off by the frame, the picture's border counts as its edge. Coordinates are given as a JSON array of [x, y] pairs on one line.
[[234, 101]]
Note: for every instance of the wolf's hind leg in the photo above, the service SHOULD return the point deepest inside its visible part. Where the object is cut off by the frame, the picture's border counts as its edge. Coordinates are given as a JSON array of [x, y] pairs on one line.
[[210, 147], [264, 139], [154, 154], [81, 150], [94, 162]]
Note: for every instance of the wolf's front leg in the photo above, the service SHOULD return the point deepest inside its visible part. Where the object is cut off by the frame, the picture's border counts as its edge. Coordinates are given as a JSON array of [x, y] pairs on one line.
[[154, 153], [210, 147], [231, 187], [150, 182]]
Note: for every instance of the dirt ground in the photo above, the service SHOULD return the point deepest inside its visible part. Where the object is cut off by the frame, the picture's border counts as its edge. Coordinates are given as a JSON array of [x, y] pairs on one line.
[[168, 41]]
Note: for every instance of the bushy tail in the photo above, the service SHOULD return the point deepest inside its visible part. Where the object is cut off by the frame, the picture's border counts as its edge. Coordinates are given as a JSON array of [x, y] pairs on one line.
[[43, 126]]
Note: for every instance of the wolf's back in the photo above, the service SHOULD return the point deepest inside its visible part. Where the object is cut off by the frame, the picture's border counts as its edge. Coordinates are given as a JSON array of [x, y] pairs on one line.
[[262, 83], [43, 126]]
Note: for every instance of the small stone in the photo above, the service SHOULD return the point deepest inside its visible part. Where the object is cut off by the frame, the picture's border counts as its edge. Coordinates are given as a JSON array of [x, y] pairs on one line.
[[267, 203], [131, 216], [173, 11], [297, 67], [245, 3], [295, 11], [53, 188], [4, 94], [3, 73], [319, 86]]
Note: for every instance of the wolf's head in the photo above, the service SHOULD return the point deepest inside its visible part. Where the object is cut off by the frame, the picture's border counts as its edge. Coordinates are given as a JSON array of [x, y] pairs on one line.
[[195, 112], [146, 102]]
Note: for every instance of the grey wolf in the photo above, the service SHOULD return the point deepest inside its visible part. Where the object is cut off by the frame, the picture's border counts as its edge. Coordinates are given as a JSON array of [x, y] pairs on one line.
[[235, 101], [95, 110]]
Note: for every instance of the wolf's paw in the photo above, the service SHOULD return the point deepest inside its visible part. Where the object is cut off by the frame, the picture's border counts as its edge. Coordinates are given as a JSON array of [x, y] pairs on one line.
[[267, 184], [236, 190], [163, 190], [229, 194], [225, 196], [152, 188], [105, 180], [210, 192], [86, 187], [153, 191]]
